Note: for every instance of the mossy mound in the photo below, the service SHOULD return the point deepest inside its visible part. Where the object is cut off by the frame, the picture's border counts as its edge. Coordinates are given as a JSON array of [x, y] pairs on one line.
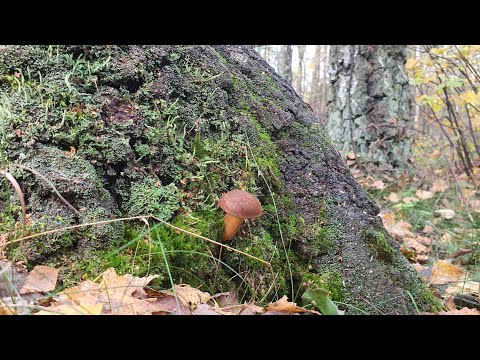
[[166, 130]]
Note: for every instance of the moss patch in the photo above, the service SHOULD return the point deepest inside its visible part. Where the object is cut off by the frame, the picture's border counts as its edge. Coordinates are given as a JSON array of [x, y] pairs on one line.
[[376, 240]]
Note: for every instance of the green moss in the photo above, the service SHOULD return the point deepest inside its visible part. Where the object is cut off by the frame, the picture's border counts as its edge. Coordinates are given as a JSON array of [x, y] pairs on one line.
[[329, 280], [376, 240], [323, 238], [150, 197]]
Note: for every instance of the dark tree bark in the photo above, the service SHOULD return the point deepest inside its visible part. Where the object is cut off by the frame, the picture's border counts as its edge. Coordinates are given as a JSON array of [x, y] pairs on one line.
[[285, 62], [370, 104], [167, 130]]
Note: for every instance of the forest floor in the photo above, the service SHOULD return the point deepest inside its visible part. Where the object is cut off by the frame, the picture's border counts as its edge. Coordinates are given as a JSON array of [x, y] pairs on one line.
[[433, 213]]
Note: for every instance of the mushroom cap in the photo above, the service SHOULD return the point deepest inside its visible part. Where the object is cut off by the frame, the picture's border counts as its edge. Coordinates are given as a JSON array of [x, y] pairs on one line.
[[241, 204]]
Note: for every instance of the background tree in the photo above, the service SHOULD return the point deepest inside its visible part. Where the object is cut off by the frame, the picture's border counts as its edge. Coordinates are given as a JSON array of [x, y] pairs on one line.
[[285, 62], [300, 70], [369, 104]]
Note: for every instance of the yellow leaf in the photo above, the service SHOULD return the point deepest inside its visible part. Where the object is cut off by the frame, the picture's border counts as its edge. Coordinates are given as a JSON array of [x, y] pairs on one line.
[[443, 272], [71, 309]]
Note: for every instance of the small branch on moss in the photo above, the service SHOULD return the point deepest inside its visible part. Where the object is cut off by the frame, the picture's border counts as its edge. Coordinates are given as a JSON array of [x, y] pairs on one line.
[[35, 172], [133, 218], [19, 192]]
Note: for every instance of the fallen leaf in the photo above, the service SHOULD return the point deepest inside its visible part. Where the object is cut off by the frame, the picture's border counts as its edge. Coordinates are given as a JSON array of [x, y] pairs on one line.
[[191, 296], [464, 311], [283, 305], [475, 205], [400, 230], [278, 312], [446, 213], [72, 309], [443, 272], [424, 195], [422, 259], [394, 197], [378, 185], [414, 244], [439, 186], [204, 309], [226, 299], [166, 305], [424, 240], [427, 229], [351, 155], [410, 199], [351, 162], [388, 219], [251, 309], [462, 287], [41, 279], [86, 293], [450, 303], [446, 238]]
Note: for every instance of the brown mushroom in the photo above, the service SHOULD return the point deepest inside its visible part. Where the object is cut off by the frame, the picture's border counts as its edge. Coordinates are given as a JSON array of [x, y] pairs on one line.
[[238, 205]]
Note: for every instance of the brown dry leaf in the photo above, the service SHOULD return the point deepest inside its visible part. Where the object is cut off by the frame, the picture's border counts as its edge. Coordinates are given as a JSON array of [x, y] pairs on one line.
[[443, 272], [41, 279], [283, 305], [450, 303], [394, 197], [422, 259], [351, 155], [474, 205], [351, 162], [400, 230], [439, 186], [410, 199], [424, 240], [226, 299], [412, 243], [427, 229], [464, 311], [204, 309], [424, 195], [166, 304], [191, 296], [462, 287], [86, 293], [446, 213], [446, 238], [388, 219], [72, 309], [378, 185], [251, 309]]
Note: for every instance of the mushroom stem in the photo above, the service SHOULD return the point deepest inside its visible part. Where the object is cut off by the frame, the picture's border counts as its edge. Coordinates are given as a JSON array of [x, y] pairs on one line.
[[232, 224]]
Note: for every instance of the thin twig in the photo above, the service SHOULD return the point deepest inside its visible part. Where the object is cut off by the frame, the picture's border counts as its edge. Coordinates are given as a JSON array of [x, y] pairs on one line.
[[133, 218], [19, 192]]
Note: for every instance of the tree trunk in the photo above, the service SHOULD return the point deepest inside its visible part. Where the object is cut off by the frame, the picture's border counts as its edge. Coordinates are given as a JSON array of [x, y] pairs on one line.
[[166, 130], [315, 88], [285, 62], [301, 64], [370, 105]]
